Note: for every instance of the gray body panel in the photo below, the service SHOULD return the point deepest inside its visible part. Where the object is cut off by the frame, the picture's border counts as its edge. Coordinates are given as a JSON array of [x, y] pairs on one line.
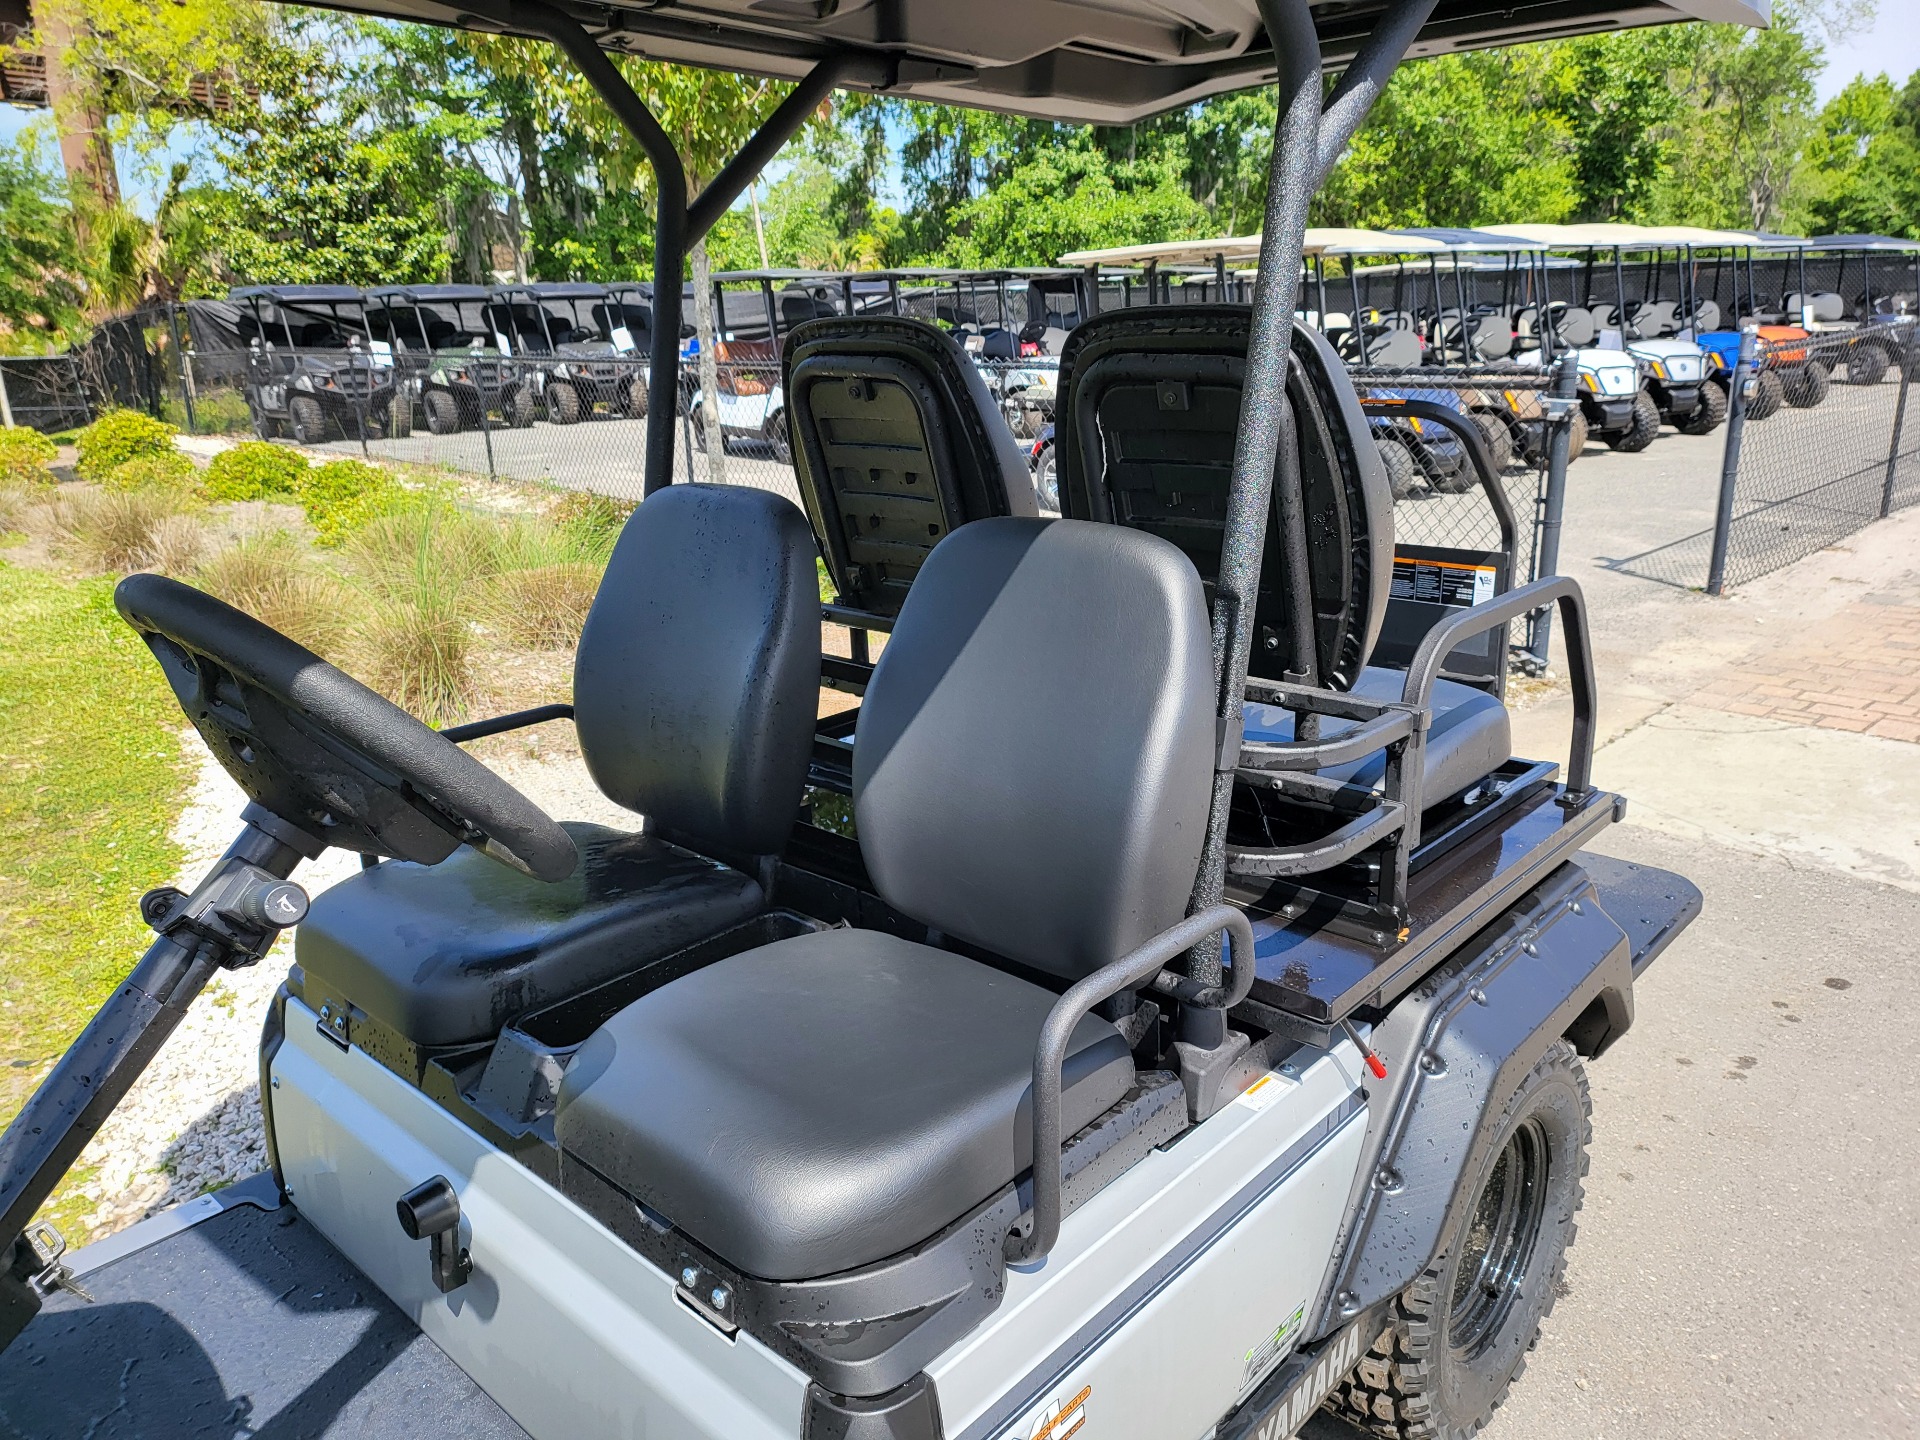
[[573, 1333]]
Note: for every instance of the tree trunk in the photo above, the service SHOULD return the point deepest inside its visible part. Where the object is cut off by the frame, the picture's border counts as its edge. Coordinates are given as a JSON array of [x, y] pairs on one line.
[[703, 323], [86, 152]]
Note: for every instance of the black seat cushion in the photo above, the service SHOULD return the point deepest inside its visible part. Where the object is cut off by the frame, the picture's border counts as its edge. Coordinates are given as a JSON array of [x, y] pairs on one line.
[[1470, 738], [448, 954], [827, 1101]]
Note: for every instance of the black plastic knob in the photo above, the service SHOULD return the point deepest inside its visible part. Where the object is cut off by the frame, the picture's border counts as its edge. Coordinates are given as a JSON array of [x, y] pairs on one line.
[[430, 1208]]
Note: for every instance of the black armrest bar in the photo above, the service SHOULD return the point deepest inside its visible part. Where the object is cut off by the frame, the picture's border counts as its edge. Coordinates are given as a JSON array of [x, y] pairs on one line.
[[1133, 969], [1322, 702], [1448, 634], [1361, 833], [1363, 739], [500, 724], [855, 619]]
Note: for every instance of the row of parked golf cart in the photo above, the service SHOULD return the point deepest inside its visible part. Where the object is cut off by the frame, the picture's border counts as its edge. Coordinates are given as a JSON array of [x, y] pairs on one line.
[[1653, 317], [335, 360]]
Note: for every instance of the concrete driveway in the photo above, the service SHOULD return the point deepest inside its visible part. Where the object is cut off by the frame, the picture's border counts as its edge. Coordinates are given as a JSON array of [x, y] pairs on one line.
[[1747, 1263]]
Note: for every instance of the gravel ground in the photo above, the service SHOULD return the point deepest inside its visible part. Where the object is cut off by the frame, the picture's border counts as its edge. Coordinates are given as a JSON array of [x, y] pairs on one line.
[[192, 1122]]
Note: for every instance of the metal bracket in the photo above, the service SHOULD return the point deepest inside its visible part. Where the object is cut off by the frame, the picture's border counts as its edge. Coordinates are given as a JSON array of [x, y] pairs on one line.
[[239, 910], [48, 1246], [1558, 407]]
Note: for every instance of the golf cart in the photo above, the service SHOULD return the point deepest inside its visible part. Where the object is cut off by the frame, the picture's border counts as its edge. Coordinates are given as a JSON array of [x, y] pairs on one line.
[[448, 359], [1185, 1021], [754, 310], [313, 367], [561, 332]]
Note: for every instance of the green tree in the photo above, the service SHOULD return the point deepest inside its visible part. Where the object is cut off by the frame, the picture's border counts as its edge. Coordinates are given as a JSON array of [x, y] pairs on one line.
[[1458, 140], [319, 192], [1071, 197], [1734, 157], [1862, 171], [1618, 97], [40, 287]]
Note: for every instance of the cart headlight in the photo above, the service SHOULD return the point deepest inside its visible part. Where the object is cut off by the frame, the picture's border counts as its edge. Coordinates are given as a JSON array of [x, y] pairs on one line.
[[1658, 368], [1592, 382]]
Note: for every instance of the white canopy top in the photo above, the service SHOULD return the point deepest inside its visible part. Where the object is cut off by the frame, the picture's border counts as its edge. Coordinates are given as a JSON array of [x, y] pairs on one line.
[[1627, 237], [1246, 248], [1173, 252]]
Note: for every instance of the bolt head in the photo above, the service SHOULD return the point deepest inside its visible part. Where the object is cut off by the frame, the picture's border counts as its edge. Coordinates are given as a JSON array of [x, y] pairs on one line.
[[689, 1277], [719, 1296]]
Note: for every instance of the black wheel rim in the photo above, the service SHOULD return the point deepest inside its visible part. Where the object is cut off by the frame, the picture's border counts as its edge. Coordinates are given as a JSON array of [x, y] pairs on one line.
[[1500, 1243]]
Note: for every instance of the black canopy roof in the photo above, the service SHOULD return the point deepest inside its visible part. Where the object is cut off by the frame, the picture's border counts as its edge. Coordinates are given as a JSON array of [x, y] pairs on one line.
[[1094, 61]]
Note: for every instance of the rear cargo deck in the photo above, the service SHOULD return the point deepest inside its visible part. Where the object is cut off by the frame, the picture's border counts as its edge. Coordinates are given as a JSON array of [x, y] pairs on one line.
[[247, 1323]]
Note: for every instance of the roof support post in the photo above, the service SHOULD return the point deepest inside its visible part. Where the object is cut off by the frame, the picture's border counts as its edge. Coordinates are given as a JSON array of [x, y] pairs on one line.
[[677, 224], [1266, 443], [1363, 80]]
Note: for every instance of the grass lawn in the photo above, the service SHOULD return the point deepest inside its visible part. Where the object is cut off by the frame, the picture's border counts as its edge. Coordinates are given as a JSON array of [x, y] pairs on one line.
[[91, 777]]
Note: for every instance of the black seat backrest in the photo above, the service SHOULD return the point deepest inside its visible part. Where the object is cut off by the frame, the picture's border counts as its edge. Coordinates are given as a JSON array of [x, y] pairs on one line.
[[1148, 415], [1033, 765], [698, 672], [896, 443]]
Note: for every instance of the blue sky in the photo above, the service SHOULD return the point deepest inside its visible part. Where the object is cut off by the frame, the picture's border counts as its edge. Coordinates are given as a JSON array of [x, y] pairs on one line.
[[1891, 44]]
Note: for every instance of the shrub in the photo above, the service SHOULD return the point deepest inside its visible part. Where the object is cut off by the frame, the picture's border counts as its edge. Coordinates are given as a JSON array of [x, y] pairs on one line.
[[272, 577], [342, 496], [169, 471], [25, 458], [254, 470], [117, 437]]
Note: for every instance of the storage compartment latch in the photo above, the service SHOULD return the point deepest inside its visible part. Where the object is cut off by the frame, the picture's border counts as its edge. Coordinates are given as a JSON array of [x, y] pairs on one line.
[[431, 1212]]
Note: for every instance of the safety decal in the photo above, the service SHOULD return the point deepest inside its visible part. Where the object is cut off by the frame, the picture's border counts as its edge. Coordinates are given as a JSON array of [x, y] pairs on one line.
[[1442, 582], [1261, 1358], [1263, 1092], [1062, 1418]]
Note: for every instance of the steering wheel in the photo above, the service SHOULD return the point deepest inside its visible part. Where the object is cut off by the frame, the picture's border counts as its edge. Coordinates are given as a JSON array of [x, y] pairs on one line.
[[324, 753]]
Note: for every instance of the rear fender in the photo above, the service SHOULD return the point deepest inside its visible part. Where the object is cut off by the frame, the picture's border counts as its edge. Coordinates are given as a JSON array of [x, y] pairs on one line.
[[1556, 966]]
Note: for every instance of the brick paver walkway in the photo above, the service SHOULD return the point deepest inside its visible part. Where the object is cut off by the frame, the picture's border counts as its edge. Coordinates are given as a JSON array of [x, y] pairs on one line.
[[1858, 671]]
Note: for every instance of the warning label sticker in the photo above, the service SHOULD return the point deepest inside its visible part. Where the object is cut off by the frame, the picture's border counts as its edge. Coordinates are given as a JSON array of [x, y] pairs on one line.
[[1062, 1418], [1442, 582]]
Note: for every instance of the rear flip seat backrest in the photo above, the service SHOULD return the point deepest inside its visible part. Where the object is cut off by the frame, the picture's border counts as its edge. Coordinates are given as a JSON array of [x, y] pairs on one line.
[[1148, 415], [896, 442]]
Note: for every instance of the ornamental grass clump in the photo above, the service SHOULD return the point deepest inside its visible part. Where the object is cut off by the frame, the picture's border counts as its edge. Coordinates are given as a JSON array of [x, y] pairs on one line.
[[420, 575], [547, 573], [117, 437], [115, 532], [273, 577]]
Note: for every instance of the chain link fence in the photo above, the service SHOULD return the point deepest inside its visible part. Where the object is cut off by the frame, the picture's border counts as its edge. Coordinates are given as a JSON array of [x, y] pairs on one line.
[[1823, 446]]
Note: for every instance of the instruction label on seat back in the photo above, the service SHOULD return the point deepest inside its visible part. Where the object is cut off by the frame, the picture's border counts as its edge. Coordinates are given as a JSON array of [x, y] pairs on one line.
[[1443, 582]]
